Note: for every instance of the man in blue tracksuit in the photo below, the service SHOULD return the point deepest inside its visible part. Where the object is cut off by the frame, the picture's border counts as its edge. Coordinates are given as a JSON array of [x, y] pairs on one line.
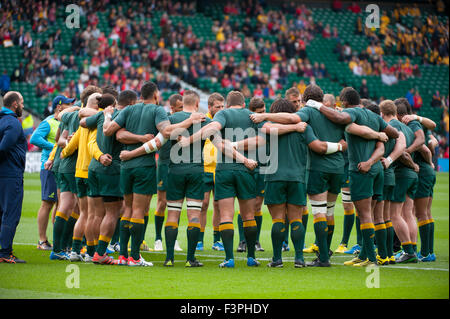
[[44, 137], [13, 148]]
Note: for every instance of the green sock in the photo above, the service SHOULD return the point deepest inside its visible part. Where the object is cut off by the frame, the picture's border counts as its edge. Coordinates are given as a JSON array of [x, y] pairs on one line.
[[76, 245], [349, 220], [277, 235], [298, 238], [90, 248], [115, 237], [124, 236], [137, 228], [368, 235], [381, 238], [431, 234], [389, 238], [414, 246], [408, 247], [145, 228], [227, 234], [216, 234], [193, 232], [321, 232], [305, 217], [58, 229], [201, 236], [68, 233], [159, 221], [330, 235], [258, 219], [171, 233], [240, 228], [358, 231], [286, 233], [363, 253], [102, 245], [250, 232]]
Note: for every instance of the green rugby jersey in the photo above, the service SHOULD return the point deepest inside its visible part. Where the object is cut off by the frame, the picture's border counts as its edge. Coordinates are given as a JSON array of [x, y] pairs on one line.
[[164, 152], [71, 122], [140, 119], [106, 144], [326, 131], [236, 126], [360, 149], [293, 157], [189, 159], [425, 167], [400, 169], [57, 159]]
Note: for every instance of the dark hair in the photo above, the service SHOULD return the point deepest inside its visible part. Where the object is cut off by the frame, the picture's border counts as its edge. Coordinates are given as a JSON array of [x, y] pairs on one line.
[[235, 98], [256, 103], [374, 108], [148, 89], [110, 90], [106, 100], [403, 106], [87, 92], [10, 98], [350, 95], [127, 97], [174, 98], [282, 105], [313, 92]]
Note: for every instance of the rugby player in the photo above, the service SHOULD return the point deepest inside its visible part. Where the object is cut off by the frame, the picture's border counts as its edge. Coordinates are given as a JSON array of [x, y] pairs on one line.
[[418, 200], [162, 171], [138, 175], [325, 177], [44, 137], [87, 203], [68, 187], [215, 104], [256, 105], [365, 169]]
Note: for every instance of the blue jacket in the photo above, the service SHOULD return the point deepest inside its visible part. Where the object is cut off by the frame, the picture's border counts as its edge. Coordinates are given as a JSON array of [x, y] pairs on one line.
[[44, 137], [13, 145]]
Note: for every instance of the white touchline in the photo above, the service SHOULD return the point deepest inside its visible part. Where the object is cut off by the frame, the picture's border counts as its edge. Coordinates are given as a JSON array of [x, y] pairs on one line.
[[287, 259]]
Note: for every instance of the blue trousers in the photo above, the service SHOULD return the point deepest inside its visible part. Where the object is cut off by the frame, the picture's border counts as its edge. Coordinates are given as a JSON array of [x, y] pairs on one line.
[[11, 197]]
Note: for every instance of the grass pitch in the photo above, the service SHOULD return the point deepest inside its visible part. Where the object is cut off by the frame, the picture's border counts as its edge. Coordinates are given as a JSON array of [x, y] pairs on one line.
[[42, 278]]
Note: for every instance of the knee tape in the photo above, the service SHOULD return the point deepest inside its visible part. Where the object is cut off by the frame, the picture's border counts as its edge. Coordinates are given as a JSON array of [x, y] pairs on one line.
[[174, 206], [193, 205], [318, 207], [330, 208]]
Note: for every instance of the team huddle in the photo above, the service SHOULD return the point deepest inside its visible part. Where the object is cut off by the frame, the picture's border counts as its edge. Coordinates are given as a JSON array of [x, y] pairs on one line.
[[305, 148]]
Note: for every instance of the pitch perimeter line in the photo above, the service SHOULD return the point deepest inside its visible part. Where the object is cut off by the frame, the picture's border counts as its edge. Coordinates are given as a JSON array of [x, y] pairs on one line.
[[287, 259]]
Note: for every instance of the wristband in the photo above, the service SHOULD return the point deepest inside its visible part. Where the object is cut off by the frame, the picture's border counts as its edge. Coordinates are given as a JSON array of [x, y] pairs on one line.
[[153, 144], [420, 119], [108, 116], [389, 159], [332, 148], [234, 144], [314, 104], [147, 148]]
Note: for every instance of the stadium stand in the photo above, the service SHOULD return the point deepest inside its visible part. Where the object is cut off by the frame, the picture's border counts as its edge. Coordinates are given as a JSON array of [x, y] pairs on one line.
[[257, 47]]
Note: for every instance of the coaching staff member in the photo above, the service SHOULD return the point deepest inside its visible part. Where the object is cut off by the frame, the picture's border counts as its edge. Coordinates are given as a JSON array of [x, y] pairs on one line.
[[13, 148]]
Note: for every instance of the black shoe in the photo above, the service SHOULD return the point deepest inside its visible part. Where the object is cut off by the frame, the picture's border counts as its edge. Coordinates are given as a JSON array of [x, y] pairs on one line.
[[12, 260], [275, 264], [242, 247], [317, 263], [299, 264], [407, 258], [193, 263], [258, 246]]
